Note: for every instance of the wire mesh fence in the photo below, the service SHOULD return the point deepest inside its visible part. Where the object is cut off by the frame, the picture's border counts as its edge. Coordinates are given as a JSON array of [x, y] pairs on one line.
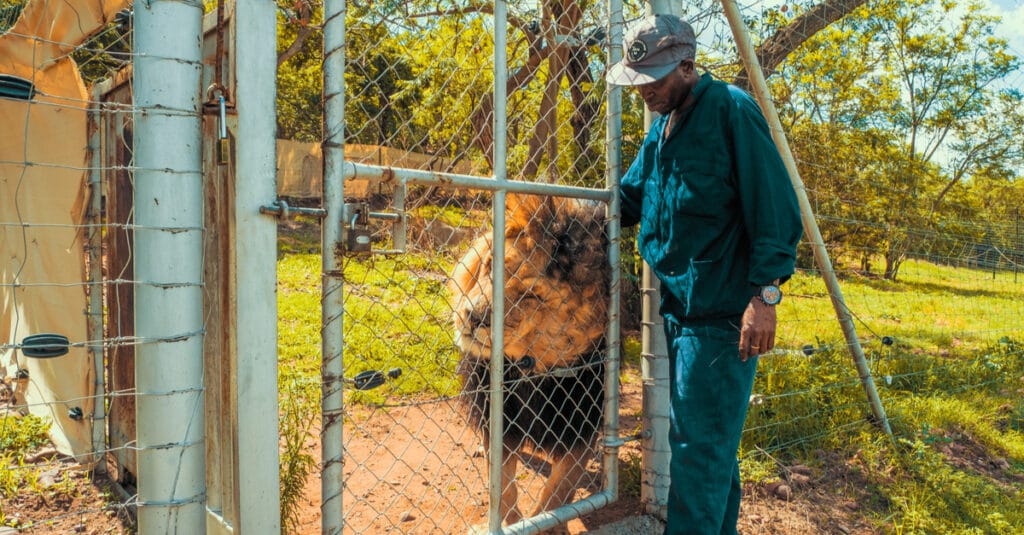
[[929, 265], [58, 275]]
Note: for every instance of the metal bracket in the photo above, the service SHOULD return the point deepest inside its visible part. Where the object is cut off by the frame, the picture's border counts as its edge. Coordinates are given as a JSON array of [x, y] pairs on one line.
[[281, 209]]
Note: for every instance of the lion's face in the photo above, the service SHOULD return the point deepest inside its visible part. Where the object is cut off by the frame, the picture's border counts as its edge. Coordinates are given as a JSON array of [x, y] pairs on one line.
[[556, 287]]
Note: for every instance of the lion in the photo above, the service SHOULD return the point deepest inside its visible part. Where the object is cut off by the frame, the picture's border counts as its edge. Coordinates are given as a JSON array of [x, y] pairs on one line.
[[555, 321]]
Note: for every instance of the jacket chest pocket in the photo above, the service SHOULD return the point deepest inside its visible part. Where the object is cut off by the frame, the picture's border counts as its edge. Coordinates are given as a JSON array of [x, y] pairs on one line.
[[700, 188]]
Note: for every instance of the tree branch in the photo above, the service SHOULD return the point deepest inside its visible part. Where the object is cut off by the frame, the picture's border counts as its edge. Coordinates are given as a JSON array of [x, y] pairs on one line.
[[774, 50]]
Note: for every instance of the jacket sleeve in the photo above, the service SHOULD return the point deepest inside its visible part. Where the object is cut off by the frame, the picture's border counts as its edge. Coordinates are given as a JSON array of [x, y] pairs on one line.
[[631, 192], [771, 213]]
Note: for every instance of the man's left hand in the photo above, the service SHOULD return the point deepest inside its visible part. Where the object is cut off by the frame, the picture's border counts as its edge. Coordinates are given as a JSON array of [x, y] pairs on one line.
[[757, 335]]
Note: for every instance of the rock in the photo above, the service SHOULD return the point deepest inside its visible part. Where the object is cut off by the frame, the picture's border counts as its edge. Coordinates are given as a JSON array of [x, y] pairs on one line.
[[780, 490], [44, 454], [1000, 463], [799, 481], [49, 477], [802, 469]]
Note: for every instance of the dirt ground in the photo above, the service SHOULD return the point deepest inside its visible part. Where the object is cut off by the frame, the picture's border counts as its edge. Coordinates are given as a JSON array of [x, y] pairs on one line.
[[416, 469]]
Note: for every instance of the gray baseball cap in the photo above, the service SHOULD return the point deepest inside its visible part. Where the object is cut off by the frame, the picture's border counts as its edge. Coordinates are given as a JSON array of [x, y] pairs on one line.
[[651, 48]]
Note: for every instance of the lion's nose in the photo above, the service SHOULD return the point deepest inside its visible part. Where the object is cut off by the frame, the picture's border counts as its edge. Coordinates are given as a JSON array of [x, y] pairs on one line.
[[480, 317]]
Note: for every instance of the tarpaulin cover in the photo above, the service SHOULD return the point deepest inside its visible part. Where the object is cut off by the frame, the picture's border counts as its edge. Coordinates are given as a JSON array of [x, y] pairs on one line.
[[42, 199]]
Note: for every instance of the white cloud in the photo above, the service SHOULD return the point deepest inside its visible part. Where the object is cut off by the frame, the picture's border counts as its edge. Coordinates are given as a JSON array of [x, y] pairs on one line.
[[1012, 25]]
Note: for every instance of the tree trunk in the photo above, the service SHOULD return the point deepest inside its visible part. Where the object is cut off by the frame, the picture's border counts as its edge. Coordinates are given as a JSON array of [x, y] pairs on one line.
[[893, 261]]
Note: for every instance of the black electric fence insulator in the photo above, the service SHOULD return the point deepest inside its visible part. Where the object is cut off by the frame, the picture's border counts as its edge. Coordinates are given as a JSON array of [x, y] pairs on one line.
[[371, 379], [44, 346]]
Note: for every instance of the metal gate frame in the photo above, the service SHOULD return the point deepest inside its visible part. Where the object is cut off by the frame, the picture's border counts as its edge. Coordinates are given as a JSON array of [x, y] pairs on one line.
[[337, 170]]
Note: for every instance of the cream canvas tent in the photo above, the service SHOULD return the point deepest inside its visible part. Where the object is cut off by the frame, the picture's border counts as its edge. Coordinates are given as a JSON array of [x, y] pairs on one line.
[[42, 196]]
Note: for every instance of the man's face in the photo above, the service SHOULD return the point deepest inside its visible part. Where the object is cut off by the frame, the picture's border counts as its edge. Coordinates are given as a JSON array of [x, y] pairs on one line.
[[664, 95]]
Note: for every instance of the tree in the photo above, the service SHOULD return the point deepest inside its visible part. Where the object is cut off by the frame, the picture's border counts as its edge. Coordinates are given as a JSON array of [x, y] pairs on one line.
[[920, 76], [946, 59]]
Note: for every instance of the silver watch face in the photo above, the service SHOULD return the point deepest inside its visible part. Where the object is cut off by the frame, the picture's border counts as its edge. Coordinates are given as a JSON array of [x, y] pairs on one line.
[[771, 294]]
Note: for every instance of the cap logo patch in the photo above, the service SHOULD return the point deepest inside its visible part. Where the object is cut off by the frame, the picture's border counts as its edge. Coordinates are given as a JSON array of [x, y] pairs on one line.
[[637, 51]]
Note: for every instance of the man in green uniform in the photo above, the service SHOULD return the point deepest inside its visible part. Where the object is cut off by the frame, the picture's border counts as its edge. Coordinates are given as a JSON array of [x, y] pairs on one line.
[[719, 225]]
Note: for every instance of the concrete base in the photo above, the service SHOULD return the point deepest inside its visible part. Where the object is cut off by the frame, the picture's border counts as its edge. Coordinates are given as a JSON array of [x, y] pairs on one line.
[[637, 525]]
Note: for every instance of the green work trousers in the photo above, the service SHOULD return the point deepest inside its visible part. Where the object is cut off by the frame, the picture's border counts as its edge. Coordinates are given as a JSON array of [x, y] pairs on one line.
[[710, 391]]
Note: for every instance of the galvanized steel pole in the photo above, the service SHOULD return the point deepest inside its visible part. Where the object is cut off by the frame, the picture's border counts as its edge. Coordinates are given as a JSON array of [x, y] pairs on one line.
[[497, 400], [332, 301], [655, 373], [813, 234], [613, 172], [169, 267]]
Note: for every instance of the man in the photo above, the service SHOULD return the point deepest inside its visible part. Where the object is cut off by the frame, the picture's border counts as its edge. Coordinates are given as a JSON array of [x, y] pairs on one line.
[[719, 225]]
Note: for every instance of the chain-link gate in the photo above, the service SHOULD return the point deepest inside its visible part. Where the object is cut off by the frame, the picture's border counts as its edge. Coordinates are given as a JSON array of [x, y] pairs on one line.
[[462, 148]]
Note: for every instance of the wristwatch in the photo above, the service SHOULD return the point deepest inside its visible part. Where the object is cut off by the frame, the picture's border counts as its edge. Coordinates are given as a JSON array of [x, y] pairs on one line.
[[770, 294]]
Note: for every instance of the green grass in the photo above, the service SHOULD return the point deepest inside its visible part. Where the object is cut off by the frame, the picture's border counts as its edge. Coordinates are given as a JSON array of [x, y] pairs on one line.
[[18, 437], [951, 384]]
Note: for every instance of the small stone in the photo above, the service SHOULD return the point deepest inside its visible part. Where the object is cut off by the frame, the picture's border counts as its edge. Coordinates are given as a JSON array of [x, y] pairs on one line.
[[1000, 463], [406, 516], [44, 454], [49, 477], [780, 490], [798, 480], [801, 469]]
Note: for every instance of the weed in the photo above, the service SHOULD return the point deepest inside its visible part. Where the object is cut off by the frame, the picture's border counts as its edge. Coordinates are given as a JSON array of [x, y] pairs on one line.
[[299, 401]]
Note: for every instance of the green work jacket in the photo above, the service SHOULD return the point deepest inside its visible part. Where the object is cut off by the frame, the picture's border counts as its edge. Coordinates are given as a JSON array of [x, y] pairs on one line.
[[718, 215]]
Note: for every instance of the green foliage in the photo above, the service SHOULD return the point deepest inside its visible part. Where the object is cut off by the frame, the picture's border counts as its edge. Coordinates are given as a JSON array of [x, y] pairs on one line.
[[450, 215], [895, 117], [19, 436], [10, 10]]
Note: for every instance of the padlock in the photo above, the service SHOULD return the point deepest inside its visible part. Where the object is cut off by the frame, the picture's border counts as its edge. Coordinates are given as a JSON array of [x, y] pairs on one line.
[[223, 151], [359, 240], [223, 141]]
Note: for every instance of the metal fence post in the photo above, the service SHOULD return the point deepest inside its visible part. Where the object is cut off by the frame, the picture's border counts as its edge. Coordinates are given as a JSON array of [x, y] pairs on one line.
[[332, 304], [168, 267], [94, 315], [654, 373], [498, 267]]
